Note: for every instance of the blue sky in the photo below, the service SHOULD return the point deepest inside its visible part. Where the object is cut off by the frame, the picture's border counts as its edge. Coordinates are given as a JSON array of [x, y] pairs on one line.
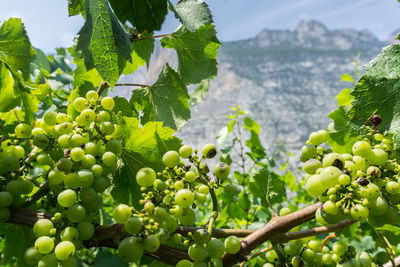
[[49, 26]]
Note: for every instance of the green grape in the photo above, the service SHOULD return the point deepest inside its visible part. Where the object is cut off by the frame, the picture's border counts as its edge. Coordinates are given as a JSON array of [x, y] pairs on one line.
[[77, 154], [327, 259], [381, 257], [232, 244], [314, 245], [159, 185], [64, 164], [271, 256], [197, 252], [392, 187], [67, 198], [330, 208], [88, 161], [91, 148], [317, 138], [314, 186], [308, 152], [64, 141], [151, 243], [308, 256], [230, 189], [171, 158], [103, 116], [391, 216], [170, 224], [92, 96], [56, 154], [55, 177], [72, 180], [23, 130], [218, 262], [109, 159], [27, 187], [107, 103], [6, 199], [100, 184], [329, 176], [209, 151], [80, 104], [48, 261], [188, 217], [14, 187], [44, 244], [50, 117], [178, 185], [69, 234], [4, 214], [221, 170], [296, 261], [88, 195], [362, 149], [41, 141], [371, 191], [312, 165], [378, 157], [107, 127], [130, 250], [43, 159], [359, 212], [86, 230], [37, 130], [344, 179], [284, 211], [85, 178], [121, 213], [97, 170], [64, 128], [338, 248], [359, 163], [184, 198], [71, 262], [215, 248], [76, 213], [114, 146], [190, 177], [199, 264], [11, 163], [42, 227], [290, 249], [333, 159], [201, 236], [133, 225], [62, 117], [87, 116], [203, 189], [145, 177], [64, 250], [32, 256], [77, 140], [200, 197], [185, 151], [184, 263], [17, 152]]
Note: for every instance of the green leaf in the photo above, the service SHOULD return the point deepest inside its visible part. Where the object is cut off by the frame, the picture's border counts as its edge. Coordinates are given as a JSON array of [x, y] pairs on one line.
[[104, 43], [344, 98], [15, 45], [199, 93], [106, 259], [143, 147], [122, 105], [168, 98], [8, 96], [17, 239], [197, 52], [346, 78], [76, 7], [141, 54], [193, 14], [270, 185], [81, 73]]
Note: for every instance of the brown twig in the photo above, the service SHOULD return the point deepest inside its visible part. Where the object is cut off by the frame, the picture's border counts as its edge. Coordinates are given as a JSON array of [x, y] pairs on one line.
[[43, 190], [150, 37], [132, 84], [103, 85]]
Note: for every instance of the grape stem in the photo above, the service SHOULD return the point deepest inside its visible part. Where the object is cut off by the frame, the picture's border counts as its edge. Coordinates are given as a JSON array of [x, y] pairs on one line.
[[103, 85], [150, 37], [392, 255], [132, 84], [214, 216]]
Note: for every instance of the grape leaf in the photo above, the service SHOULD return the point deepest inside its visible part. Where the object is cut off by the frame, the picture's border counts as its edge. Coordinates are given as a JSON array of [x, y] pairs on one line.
[[122, 105], [15, 45], [76, 7], [141, 53], [17, 239], [200, 92], [346, 78], [257, 151], [344, 98], [168, 98], [106, 259], [104, 43], [197, 52], [8, 97], [193, 14], [378, 92], [267, 184], [143, 147]]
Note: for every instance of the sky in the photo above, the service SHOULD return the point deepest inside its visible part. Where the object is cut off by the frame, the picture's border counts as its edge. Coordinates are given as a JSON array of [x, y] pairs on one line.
[[49, 26]]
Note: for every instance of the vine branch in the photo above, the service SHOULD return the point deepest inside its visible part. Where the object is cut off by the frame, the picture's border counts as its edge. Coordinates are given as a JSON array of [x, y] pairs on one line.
[[43, 190], [132, 84]]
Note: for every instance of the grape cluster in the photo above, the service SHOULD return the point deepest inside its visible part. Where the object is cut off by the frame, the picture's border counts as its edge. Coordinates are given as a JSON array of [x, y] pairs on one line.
[[77, 156], [363, 184], [313, 253]]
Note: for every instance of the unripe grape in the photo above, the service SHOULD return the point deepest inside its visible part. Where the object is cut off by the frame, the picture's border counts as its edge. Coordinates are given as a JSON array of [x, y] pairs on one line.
[[23, 130], [11, 163], [188, 217], [6, 198], [50, 118], [64, 250], [64, 128], [104, 116], [64, 164], [221, 170], [42, 227], [314, 186], [232, 244], [130, 250], [145, 177], [4, 214], [69, 234], [76, 213], [284, 211], [92, 96], [41, 141], [171, 159], [197, 252], [72, 180], [133, 225], [107, 103], [184, 263], [32, 256], [359, 212], [317, 138], [209, 151], [86, 230], [87, 116], [185, 151], [392, 187], [333, 159], [109, 159], [71, 262], [80, 104], [48, 261], [121, 213], [77, 154], [151, 243], [312, 165], [203, 189], [378, 157], [44, 244], [62, 117], [107, 127], [362, 148], [85, 178], [184, 198], [190, 177], [14, 187], [329, 176]]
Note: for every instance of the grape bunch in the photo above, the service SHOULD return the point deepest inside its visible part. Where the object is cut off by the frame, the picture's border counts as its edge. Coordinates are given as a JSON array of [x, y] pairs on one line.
[[169, 198], [77, 157], [363, 184]]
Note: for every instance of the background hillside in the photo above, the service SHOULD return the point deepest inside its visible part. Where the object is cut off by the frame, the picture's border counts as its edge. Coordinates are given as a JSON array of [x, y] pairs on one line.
[[286, 80]]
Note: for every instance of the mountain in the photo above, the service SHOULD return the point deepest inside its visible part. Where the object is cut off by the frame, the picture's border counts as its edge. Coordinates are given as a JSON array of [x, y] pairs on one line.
[[286, 80]]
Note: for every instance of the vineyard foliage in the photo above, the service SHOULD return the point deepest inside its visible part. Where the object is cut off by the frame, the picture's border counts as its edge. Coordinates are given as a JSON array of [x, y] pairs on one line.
[[91, 180]]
